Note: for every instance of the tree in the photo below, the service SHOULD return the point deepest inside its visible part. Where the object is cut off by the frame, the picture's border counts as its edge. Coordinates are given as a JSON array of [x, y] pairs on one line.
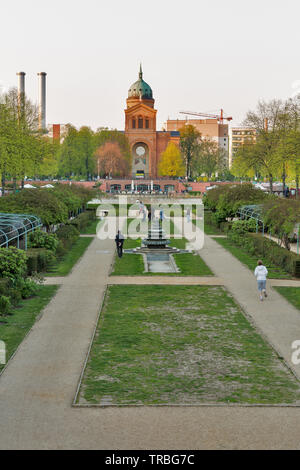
[[171, 162], [209, 158], [68, 155], [77, 153], [189, 137], [110, 159], [293, 150], [18, 135], [86, 151], [103, 135], [272, 120]]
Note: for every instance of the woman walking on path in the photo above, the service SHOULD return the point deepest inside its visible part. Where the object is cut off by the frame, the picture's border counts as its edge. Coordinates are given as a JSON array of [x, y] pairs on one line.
[[261, 273]]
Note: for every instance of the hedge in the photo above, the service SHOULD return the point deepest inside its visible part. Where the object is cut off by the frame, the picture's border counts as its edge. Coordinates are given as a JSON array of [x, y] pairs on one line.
[[38, 260], [270, 251], [83, 219], [67, 235], [53, 206]]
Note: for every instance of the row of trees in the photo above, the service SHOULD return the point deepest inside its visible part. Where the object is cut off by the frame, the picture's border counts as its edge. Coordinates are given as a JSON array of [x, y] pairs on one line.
[[85, 153], [26, 151], [276, 151], [195, 156]]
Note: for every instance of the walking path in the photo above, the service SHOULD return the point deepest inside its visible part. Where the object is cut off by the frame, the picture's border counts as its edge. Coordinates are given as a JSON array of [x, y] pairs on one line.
[[38, 386], [293, 246]]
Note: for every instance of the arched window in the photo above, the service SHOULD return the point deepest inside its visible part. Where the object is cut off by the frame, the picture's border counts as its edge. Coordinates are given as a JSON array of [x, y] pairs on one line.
[[140, 123], [147, 123], [133, 123]]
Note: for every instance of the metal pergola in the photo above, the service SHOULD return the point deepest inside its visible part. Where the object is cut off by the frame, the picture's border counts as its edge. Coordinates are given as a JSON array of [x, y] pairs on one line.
[[16, 226], [254, 211]]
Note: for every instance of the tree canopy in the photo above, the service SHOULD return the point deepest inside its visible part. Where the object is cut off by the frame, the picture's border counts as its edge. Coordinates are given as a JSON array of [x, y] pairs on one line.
[[171, 162]]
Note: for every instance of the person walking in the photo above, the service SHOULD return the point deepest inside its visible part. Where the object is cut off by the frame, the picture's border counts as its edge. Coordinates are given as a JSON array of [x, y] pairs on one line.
[[119, 243], [261, 273], [161, 215], [188, 215]]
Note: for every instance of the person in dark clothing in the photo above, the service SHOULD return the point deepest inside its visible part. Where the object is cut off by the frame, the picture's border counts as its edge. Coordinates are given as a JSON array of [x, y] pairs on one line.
[[119, 243]]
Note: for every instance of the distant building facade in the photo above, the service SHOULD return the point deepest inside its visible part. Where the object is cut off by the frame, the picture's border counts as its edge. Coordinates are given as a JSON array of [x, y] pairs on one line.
[[239, 136], [146, 143], [209, 128]]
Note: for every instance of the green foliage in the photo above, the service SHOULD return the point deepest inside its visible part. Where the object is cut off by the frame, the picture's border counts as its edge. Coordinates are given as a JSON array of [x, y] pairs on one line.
[[281, 215], [243, 226], [189, 137], [77, 153], [28, 288], [83, 220], [12, 263], [269, 251], [225, 200], [5, 305], [67, 234], [39, 202], [39, 239], [38, 260], [53, 206], [23, 149]]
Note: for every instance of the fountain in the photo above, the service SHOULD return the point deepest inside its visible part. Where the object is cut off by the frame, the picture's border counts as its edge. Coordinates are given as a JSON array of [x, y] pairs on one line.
[[156, 236], [156, 250]]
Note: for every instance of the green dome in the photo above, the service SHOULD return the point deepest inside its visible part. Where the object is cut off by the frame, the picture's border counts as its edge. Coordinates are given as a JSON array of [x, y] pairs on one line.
[[140, 88]]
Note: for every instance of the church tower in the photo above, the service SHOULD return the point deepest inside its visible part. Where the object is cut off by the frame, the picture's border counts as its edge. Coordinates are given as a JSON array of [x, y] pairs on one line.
[[140, 129]]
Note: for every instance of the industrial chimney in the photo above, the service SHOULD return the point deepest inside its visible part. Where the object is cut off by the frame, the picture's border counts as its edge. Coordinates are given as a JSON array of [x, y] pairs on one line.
[[21, 89], [42, 100]]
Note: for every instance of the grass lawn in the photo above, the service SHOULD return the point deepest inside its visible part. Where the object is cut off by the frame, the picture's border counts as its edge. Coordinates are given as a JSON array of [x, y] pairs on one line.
[[275, 272], [181, 345], [64, 266], [191, 265], [209, 229], [133, 265], [14, 327], [292, 294]]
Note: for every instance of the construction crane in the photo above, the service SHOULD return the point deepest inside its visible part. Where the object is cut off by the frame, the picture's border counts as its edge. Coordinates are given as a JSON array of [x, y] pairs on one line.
[[220, 117]]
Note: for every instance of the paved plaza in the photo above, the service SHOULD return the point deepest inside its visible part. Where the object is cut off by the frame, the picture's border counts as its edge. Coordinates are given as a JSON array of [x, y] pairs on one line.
[[38, 386]]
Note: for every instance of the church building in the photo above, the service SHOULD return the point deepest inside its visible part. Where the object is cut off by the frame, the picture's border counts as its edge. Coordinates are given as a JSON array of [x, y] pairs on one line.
[[146, 143]]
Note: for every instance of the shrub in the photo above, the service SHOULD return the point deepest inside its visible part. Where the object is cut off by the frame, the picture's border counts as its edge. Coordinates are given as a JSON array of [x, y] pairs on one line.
[[39, 239], [38, 260], [39, 202], [12, 263], [270, 251], [243, 226], [28, 288], [4, 285], [225, 200], [83, 219], [5, 305], [15, 294], [67, 234]]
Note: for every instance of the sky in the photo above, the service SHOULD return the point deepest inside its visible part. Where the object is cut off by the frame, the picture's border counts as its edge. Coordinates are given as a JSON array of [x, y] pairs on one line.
[[196, 55]]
